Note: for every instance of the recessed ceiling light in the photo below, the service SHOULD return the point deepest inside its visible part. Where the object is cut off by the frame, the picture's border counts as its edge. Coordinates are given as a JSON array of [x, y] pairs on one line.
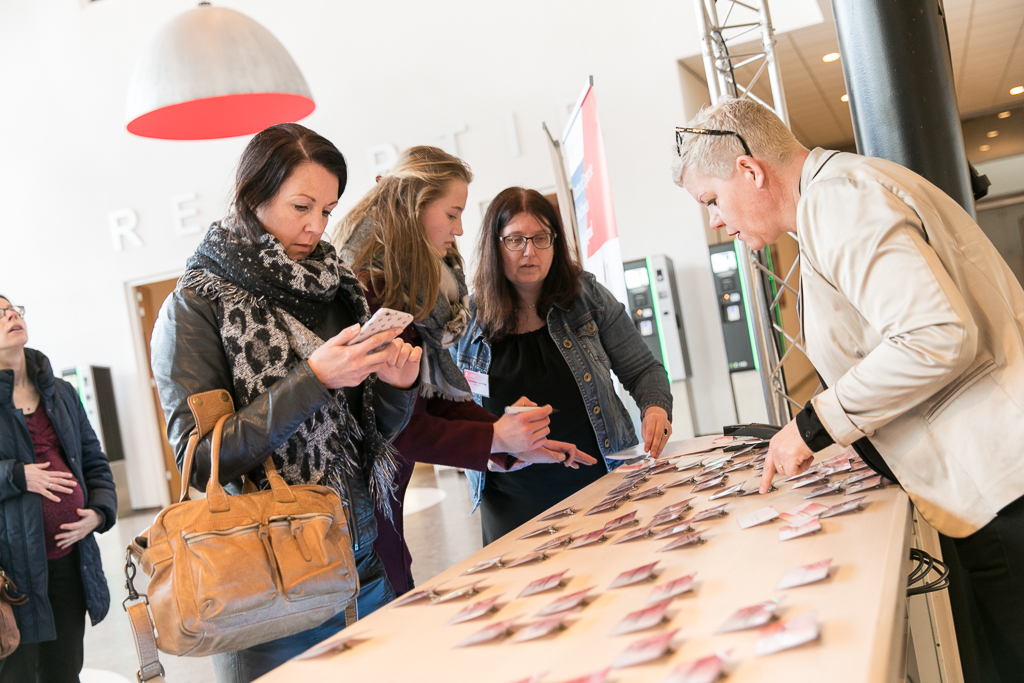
[[1004, 114], [845, 98], [984, 148], [830, 57], [1017, 90], [992, 134]]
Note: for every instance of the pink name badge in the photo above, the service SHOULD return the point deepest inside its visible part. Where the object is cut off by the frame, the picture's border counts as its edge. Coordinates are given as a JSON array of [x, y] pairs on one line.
[[645, 618], [566, 603], [750, 617], [545, 584], [628, 519], [544, 627], [787, 533], [801, 576], [703, 670], [475, 610], [765, 514], [499, 629], [494, 563], [646, 650], [670, 589], [628, 578], [787, 634]]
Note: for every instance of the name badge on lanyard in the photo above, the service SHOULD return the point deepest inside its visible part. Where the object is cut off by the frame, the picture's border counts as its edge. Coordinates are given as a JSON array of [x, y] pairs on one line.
[[479, 383]]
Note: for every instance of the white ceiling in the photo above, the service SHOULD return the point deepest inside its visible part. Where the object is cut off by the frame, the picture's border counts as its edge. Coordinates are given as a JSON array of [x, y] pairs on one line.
[[987, 47]]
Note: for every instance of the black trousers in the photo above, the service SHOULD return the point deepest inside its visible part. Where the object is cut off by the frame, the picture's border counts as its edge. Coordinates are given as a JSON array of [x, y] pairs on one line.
[[60, 660], [993, 558]]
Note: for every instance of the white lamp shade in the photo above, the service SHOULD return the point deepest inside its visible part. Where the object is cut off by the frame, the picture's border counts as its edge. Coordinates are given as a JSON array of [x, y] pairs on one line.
[[212, 73]]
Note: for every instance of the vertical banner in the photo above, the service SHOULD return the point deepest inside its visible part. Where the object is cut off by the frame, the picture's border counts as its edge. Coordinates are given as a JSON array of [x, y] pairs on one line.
[[591, 194]]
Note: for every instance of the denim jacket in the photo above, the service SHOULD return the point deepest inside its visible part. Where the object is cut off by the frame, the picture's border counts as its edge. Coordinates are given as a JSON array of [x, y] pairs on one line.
[[596, 336]]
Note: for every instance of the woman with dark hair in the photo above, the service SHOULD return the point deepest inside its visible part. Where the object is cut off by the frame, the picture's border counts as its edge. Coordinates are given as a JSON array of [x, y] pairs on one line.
[[265, 310], [56, 491], [400, 240], [543, 328]]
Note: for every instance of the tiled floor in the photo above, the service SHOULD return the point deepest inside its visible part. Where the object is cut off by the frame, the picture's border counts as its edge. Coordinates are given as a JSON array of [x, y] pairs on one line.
[[438, 536]]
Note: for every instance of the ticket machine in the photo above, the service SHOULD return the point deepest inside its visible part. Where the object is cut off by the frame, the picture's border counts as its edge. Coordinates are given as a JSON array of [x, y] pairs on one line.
[[654, 308], [739, 350]]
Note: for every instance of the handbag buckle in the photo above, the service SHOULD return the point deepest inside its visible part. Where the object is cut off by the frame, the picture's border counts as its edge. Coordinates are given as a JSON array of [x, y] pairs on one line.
[[130, 570], [140, 679]]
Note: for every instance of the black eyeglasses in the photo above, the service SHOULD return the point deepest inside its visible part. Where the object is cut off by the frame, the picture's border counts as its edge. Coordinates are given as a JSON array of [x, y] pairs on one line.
[[517, 242], [709, 131], [20, 310]]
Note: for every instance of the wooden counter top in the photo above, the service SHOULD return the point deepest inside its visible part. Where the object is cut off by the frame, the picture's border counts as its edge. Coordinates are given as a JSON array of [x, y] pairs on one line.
[[860, 607]]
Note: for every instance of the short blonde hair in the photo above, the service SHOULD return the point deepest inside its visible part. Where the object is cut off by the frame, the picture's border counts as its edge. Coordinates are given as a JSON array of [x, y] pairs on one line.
[[714, 156]]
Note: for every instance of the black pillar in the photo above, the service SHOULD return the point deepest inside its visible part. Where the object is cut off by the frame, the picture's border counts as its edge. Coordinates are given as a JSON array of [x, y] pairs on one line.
[[900, 81]]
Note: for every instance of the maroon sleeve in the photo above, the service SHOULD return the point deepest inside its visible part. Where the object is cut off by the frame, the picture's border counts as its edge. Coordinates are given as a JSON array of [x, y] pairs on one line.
[[453, 433], [442, 431]]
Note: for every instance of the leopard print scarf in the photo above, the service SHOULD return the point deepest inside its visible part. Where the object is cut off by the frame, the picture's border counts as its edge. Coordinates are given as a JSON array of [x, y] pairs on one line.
[[268, 303]]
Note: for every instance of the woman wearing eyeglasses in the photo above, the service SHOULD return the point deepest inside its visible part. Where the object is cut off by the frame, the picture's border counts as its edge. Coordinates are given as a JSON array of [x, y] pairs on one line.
[[56, 490], [543, 328], [400, 241]]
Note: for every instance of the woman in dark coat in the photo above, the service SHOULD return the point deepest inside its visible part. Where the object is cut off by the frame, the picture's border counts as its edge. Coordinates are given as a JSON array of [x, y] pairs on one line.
[[56, 490]]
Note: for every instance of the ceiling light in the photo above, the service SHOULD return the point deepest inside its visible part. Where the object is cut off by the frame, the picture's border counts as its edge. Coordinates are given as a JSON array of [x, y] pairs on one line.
[[992, 134], [214, 73], [830, 57], [845, 98], [984, 148], [1018, 90], [1004, 114]]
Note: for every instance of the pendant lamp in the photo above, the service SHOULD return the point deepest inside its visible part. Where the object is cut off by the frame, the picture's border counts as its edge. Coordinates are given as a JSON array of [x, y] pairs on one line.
[[214, 73]]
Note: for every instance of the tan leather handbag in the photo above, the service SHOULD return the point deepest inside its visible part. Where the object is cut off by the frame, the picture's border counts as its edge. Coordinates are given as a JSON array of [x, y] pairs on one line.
[[10, 636], [230, 572]]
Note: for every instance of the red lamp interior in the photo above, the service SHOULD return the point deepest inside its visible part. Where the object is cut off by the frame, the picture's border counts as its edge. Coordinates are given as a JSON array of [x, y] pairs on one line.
[[222, 117]]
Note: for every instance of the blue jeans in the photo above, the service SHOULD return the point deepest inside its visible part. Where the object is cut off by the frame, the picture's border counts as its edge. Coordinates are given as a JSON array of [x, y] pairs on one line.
[[249, 664]]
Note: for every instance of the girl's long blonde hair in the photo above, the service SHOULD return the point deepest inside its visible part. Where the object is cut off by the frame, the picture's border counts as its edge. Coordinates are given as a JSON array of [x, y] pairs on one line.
[[398, 261]]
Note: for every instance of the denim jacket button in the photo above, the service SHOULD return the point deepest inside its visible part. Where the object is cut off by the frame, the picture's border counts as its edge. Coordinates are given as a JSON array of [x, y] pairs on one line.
[[597, 410], [607, 443], [586, 377], [567, 344]]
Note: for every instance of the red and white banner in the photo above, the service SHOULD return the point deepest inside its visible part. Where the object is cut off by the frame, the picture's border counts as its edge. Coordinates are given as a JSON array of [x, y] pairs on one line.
[[592, 196]]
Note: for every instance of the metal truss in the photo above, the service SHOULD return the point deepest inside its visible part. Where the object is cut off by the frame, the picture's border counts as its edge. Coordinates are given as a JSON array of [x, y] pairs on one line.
[[773, 345]]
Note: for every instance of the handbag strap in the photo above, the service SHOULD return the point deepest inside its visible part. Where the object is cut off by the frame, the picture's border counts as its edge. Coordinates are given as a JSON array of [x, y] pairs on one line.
[[207, 409], [210, 409], [216, 496], [144, 635]]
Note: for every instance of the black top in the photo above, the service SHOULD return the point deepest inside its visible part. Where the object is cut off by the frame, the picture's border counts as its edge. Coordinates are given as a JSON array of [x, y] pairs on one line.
[[531, 365]]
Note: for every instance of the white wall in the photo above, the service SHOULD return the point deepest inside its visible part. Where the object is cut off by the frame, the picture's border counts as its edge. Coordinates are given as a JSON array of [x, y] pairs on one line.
[[385, 72], [1006, 175]]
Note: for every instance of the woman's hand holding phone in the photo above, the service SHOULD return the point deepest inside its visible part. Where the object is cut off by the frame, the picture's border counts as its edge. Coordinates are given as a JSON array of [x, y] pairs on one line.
[[337, 364]]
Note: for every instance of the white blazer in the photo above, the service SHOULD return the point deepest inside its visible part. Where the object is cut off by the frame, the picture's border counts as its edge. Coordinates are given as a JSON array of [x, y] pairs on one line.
[[916, 324]]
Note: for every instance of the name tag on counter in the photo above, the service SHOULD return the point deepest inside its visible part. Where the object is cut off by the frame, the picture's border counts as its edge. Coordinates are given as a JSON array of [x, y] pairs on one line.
[[479, 383]]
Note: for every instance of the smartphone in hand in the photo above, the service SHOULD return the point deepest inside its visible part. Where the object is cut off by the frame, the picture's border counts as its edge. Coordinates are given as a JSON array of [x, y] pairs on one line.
[[384, 319]]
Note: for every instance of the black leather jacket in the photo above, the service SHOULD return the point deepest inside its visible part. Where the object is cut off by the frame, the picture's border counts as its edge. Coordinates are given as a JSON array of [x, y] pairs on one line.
[[188, 358]]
